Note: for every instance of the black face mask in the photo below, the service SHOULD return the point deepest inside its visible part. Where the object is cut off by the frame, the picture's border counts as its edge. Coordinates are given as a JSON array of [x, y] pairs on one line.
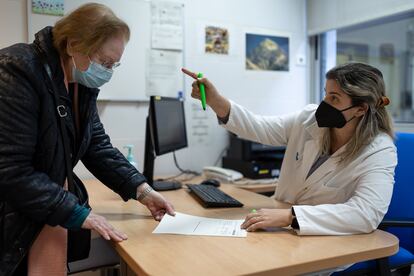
[[328, 116]]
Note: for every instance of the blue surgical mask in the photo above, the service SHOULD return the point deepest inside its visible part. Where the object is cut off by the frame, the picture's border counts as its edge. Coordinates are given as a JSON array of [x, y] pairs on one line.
[[95, 76]]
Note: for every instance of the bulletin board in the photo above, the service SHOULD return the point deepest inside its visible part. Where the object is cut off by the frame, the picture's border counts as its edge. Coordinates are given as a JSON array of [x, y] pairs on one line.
[[129, 80]]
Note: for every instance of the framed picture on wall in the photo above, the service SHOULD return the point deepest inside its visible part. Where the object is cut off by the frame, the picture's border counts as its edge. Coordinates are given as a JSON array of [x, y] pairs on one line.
[[51, 7], [217, 40], [267, 52]]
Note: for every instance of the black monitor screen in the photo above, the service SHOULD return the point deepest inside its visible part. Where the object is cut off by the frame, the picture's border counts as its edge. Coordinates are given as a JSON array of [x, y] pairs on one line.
[[167, 122]]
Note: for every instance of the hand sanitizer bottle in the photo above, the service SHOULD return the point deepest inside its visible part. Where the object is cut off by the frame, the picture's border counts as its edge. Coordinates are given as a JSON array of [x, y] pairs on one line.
[[130, 156]]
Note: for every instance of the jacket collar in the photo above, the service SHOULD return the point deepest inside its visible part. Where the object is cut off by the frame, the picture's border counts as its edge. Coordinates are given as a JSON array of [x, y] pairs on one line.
[[44, 42]]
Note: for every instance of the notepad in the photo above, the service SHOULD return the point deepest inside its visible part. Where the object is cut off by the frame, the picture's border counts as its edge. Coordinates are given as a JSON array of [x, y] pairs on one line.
[[183, 224]]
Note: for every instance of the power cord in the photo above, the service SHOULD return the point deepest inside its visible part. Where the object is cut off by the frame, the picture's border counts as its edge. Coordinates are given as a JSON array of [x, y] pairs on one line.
[[181, 170], [171, 177], [181, 177], [220, 155]]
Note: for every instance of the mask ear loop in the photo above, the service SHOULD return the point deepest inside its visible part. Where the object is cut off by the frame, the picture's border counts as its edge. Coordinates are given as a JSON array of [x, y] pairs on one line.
[[70, 53], [348, 108], [74, 63], [353, 117]]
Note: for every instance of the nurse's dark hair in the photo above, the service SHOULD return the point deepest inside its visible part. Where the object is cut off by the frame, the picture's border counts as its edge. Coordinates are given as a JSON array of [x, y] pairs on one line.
[[365, 85]]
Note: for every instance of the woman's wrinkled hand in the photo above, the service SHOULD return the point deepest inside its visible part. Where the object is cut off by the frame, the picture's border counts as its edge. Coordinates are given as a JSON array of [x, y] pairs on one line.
[[102, 226], [156, 203]]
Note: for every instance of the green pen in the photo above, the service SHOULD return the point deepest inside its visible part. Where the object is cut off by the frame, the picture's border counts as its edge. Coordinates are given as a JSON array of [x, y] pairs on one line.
[[202, 92], [253, 211]]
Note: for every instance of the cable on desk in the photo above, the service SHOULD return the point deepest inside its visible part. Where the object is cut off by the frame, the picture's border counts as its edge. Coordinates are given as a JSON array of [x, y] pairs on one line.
[[171, 177], [178, 177], [220, 155], [181, 170]]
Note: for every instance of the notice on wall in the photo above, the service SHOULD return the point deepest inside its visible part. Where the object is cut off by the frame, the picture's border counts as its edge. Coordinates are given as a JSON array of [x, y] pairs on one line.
[[167, 25], [164, 77], [200, 128]]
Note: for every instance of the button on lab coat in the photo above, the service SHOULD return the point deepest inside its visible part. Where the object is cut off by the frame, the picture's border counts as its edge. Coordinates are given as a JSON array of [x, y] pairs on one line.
[[334, 199]]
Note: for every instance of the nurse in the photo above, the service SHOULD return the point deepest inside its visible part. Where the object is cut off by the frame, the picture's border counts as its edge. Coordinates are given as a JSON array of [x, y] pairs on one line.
[[338, 170]]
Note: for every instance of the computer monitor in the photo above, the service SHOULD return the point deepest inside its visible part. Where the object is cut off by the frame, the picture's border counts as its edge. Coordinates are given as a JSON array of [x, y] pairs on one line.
[[165, 132]]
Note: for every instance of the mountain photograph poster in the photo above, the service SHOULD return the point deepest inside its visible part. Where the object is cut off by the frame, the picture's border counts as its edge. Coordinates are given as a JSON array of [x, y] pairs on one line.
[[267, 53]]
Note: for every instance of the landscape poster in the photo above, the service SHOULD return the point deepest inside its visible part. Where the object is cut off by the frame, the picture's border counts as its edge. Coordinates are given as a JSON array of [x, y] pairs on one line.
[[266, 52]]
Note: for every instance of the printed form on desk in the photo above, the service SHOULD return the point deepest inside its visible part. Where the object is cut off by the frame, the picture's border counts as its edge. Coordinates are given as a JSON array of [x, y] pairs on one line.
[[183, 224]]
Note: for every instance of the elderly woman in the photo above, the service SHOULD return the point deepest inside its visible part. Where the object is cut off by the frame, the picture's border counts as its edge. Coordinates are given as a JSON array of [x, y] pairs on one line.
[[48, 122], [338, 170]]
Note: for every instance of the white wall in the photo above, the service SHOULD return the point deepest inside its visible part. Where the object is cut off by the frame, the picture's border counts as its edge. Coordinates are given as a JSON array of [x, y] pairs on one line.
[[325, 15], [263, 92], [125, 122], [13, 22]]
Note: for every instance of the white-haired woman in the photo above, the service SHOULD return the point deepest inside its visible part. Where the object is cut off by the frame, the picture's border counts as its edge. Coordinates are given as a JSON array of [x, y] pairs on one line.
[[49, 122]]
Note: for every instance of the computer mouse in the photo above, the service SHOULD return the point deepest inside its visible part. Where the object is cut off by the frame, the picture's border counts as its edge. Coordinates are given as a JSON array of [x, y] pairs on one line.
[[211, 182]]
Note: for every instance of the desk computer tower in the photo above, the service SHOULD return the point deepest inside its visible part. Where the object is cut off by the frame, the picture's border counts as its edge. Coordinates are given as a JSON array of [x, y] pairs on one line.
[[253, 160]]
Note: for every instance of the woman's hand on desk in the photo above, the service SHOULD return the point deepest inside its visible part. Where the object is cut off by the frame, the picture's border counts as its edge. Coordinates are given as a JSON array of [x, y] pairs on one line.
[[155, 202], [102, 226], [265, 218]]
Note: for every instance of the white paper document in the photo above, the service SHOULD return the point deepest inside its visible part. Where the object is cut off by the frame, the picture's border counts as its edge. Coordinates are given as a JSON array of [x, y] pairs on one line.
[[167, 25], [164, 77], [183, 224]]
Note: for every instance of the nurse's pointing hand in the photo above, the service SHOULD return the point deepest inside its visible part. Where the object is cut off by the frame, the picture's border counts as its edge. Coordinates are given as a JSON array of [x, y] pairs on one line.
[[211, 92], [217, 102]]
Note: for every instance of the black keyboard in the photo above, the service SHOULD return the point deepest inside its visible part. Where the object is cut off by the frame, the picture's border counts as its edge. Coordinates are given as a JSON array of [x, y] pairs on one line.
[[211, 196]]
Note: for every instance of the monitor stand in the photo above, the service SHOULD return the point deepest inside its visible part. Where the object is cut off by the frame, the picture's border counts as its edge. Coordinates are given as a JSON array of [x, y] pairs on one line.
[[165, 185]]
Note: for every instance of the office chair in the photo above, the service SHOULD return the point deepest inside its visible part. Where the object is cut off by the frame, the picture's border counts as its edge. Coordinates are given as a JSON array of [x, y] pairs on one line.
[[102, 256], [399, 219]]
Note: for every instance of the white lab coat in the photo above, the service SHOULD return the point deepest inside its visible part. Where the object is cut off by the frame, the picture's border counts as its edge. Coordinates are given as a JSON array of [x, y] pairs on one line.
[[334, 200]]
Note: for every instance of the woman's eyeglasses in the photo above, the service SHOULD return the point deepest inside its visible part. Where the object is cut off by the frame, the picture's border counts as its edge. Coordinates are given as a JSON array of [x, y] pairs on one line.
[[106, 62], [110, 65]]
